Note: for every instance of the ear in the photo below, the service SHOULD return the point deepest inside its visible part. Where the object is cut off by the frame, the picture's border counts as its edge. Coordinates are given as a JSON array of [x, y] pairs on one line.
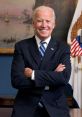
[[54, 25]]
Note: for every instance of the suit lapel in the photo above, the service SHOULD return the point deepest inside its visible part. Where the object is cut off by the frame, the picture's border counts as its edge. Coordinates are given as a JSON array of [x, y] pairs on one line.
[[51, 49], [34, 51]]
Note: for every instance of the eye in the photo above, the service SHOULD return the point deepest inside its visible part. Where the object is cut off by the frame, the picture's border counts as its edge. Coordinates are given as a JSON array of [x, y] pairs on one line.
[[48, 21], [39, 20]]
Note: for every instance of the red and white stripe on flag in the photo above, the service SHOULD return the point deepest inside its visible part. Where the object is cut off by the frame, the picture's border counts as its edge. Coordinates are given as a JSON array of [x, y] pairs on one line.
[[75, 50]]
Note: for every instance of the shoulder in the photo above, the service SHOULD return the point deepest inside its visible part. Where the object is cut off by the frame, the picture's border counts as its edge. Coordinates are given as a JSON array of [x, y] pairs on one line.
[[63, 45], [25, 42]]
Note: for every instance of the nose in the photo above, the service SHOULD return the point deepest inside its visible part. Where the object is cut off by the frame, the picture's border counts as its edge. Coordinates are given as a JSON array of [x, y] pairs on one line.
[[44, 23]]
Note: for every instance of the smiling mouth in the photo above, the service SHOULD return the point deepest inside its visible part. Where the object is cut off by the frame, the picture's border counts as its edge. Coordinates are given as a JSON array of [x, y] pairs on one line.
[[43, 30]]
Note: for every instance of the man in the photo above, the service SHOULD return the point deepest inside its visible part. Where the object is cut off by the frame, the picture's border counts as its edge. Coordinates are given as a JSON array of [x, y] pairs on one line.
[[40, 74]]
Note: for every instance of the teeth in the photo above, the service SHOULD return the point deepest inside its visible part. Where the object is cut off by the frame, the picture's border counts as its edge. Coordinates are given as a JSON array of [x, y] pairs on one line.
[[43, 30]]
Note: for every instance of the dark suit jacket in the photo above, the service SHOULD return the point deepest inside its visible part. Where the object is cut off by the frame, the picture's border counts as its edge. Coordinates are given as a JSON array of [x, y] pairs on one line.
[[31, 92]]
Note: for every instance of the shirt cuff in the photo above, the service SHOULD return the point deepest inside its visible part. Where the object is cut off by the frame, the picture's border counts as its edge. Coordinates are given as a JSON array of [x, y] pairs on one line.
[[33, 75]]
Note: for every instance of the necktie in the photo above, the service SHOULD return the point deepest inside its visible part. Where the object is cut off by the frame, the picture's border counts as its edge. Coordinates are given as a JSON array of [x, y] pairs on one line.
[[42, 48]]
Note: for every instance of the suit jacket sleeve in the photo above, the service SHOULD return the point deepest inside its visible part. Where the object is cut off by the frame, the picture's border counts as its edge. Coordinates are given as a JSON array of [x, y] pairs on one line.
[[18, 78]]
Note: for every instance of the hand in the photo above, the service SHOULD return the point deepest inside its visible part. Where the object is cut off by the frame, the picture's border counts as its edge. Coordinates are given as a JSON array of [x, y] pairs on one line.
[[28, 72], [60, 68]]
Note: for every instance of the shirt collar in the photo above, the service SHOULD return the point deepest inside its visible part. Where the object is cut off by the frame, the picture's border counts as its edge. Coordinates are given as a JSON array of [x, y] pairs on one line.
[[38, 40]]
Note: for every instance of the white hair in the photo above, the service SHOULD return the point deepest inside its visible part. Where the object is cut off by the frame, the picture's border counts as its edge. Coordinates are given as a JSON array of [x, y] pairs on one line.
[[43, 8]]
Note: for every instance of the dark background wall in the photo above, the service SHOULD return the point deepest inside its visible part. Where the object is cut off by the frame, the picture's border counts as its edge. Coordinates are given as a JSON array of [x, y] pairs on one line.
[[64, 11]]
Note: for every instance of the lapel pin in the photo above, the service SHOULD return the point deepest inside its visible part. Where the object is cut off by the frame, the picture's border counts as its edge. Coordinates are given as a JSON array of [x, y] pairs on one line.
[[52, 49]]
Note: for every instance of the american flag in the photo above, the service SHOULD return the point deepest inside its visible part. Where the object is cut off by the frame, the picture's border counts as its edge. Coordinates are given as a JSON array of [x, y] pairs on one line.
[[76, 47]]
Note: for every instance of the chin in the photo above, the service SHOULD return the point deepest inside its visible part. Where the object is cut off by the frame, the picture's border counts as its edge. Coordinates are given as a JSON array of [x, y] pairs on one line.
[[44, 36]]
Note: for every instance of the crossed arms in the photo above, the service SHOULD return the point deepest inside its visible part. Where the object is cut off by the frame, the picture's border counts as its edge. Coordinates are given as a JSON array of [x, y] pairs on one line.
[[21, 75], [28, 71]]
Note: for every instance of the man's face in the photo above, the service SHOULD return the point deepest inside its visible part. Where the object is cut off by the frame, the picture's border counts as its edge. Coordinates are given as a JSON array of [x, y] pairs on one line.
[[43, 24]]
